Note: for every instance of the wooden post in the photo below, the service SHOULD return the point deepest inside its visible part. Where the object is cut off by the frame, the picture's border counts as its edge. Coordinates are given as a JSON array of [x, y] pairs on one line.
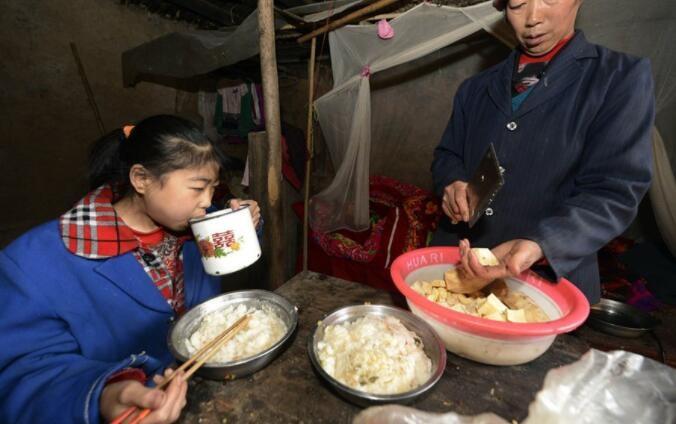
[[310, 148], [258, 189], [266, 29], [88, 89], [258, 166]]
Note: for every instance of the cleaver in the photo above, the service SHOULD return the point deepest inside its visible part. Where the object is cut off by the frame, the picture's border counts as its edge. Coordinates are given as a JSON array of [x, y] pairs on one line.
[[484, 185]]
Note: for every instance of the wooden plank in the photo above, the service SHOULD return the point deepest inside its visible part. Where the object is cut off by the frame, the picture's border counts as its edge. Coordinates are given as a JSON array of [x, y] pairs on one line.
[[310, 149], [258, 168], [266, 29], [88, 88], [663, 337]]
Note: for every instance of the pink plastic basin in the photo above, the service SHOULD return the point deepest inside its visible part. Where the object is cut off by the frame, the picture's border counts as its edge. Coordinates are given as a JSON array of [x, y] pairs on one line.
[[481, 339]]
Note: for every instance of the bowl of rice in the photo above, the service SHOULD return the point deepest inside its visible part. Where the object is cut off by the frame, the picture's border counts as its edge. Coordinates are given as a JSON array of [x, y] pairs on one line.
[[273, 321], [490, 330], [376, 354]]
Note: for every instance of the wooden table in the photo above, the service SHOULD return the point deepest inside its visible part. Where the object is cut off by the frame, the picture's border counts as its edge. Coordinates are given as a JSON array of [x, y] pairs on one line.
[[288, 390], [648, 345]]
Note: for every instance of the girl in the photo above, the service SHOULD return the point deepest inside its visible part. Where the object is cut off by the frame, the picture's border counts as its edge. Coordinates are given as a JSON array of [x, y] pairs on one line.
[[88, 298]]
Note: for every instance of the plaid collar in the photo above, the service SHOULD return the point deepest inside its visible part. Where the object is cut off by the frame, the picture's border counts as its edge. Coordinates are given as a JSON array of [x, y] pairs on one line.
[[92, 229]]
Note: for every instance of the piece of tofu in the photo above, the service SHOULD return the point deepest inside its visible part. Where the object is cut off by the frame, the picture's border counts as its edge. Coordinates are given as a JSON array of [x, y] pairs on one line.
[[496, 316], [458, 307], [516, 315], [485, 256], [492, 305]]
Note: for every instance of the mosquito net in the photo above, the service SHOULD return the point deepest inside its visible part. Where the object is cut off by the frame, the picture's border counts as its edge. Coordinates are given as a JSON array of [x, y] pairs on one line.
[[345, 113], [371, 124]]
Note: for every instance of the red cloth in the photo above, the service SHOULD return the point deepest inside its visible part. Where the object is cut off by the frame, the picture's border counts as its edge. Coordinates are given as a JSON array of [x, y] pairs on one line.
[[403, 217], [128, 374], [620, 283]]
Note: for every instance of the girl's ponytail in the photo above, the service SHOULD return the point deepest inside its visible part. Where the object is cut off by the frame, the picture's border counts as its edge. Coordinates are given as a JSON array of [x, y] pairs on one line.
[[106, 165], [161, 144]]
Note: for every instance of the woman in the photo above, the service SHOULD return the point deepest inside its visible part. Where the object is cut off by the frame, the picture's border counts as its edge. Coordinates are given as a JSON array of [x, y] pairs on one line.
[[571, 123]]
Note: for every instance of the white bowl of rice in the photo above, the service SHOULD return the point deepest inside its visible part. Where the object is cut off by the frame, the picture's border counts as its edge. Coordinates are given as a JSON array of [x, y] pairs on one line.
[[376, 354], [273, 319]]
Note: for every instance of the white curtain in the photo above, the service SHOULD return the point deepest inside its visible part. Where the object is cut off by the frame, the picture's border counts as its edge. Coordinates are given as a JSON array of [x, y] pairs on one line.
[[663, 193], [394, 121], [345, 112]]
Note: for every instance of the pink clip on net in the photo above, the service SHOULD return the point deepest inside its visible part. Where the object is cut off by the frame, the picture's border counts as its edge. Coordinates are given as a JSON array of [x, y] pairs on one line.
[[385, 30]]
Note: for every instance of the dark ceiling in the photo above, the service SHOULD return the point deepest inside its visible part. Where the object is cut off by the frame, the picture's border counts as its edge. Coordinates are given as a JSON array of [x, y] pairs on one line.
[[215, 14]]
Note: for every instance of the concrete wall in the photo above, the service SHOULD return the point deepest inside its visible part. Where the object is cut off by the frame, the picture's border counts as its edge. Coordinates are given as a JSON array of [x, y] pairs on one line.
[[46, 122]]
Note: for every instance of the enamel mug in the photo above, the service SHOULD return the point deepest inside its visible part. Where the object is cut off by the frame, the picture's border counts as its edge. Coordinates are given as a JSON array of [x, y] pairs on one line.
[[227, 240]]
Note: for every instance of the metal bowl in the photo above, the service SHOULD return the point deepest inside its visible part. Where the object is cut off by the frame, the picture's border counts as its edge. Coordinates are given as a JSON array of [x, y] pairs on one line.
[[188, 323], [433, 347], [620, 319]]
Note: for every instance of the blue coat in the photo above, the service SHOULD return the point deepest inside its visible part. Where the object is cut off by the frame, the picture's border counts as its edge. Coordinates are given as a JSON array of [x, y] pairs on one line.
[[577, 155], [68, 322]]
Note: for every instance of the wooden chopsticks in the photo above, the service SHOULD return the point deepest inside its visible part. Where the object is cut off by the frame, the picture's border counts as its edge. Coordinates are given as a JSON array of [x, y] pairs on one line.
[[198, 359]]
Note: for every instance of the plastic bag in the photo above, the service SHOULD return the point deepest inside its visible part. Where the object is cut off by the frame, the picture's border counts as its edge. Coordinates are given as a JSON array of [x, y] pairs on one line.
[[615, 387]]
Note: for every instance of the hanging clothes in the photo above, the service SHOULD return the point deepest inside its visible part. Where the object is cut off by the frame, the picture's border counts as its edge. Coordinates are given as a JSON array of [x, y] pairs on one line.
[[232, 98]]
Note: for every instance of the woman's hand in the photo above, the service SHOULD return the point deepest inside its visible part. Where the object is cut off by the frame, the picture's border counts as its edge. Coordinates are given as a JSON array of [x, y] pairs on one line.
[[253, 207], [518, 255], [515, 256], [472, 270], [455, 203], [165, 405]]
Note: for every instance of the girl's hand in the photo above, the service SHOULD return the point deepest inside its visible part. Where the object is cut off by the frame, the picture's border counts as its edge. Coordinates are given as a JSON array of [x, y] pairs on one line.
[[165, 405], [253, 207]]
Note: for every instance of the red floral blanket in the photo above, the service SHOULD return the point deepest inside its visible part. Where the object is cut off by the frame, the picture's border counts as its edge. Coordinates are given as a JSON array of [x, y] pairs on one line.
[[403, 218]]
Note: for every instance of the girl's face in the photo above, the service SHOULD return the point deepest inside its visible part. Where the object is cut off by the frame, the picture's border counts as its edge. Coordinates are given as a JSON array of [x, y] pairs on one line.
[[540, 24], [181, 195]]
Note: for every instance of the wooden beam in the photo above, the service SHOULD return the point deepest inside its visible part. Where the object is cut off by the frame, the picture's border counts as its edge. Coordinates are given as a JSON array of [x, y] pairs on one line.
[[310, 148], [347, 19], [295, 20], [266, 29], [208, 10], [258, 169]]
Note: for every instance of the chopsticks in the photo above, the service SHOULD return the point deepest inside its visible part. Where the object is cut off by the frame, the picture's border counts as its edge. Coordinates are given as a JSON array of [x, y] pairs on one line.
[[198, 359]]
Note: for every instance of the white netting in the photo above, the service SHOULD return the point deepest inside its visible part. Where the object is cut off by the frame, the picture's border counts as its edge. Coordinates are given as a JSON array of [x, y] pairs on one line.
[[345, 112], [396, 116]]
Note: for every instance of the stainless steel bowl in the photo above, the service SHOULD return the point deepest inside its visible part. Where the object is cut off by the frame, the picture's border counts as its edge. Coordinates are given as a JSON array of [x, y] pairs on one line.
[[433, 347], [620, 319], [188, 323]]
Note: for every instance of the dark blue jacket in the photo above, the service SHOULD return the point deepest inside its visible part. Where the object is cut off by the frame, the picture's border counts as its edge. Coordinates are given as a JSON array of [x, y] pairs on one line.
[[577, 155], [67, 323]]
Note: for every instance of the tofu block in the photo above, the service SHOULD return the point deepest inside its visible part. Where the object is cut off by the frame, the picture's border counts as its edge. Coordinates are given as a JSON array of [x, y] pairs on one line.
[[496, 316], [492, 305], [458, 307], [516, 315], [485, 256]]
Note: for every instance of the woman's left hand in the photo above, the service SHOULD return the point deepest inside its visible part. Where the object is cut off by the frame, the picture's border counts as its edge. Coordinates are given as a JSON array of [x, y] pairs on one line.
[[253, 208], [515, 256], [518, 255]]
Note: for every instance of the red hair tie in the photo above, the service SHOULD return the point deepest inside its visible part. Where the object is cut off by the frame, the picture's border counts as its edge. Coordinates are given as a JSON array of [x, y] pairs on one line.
[[127, 130]]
